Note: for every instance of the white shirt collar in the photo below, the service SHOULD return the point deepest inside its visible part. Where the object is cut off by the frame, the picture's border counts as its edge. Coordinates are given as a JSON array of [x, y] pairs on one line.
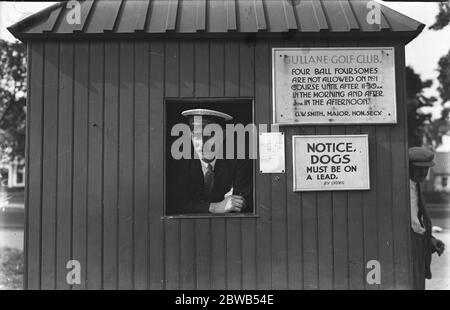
[[205, 164]]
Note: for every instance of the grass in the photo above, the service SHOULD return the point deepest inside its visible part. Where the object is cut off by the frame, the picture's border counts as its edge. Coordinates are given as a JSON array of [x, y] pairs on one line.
[[11, 269]]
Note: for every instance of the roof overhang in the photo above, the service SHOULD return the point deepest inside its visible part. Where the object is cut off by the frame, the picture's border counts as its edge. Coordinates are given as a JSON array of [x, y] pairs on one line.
[[134, 19]]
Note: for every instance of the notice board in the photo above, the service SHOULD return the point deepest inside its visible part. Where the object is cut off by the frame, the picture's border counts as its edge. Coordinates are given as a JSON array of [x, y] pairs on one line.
[[333, 85], [271, 152], [330, 162]]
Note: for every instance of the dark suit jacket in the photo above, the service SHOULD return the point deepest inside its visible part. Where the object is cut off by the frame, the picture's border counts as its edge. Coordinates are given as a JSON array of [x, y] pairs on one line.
[[185, 194]]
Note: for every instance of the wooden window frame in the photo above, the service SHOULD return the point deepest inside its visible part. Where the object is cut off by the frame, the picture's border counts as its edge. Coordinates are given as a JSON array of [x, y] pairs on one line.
[[190, 100]]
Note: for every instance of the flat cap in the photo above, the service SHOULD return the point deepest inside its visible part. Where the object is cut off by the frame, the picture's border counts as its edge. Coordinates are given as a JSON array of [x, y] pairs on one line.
[[207, 116], [421, 157]]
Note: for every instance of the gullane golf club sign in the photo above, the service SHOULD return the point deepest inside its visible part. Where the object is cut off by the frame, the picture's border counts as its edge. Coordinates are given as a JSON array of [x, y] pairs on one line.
[[334, 85]]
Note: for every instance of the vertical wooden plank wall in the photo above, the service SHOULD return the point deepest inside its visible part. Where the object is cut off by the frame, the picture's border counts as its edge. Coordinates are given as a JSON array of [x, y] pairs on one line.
[[34, 167], [94, 166], [356, 271], [110, 165], [49, 165], [65, 158], [96, 178], [126, 165], [157, 259], [262, 114], [203, 237], [80, 158], [187, 228], [172, 233], [218, 232], [399, 155], [240, 80], [141, 166]]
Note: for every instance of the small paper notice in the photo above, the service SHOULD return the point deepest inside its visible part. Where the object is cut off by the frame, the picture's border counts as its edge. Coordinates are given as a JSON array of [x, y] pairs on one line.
[[271, 152]]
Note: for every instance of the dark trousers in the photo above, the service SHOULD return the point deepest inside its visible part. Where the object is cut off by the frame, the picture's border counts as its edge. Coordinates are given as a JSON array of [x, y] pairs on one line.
[[419, 264]]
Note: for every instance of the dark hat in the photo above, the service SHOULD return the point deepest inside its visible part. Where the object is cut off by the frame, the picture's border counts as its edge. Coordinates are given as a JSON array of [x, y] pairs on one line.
[[421, 157], [205, 116]]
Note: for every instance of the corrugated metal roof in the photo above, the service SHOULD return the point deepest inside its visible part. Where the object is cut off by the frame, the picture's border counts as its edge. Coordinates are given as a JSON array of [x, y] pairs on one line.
[[212, 16]]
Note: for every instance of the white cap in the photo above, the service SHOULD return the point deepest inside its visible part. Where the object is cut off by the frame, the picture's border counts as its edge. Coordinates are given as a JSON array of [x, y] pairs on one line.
[[207, 113]]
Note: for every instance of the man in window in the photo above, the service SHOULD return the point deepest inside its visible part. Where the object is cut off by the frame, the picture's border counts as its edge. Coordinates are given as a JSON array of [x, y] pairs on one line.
[[206, 184]]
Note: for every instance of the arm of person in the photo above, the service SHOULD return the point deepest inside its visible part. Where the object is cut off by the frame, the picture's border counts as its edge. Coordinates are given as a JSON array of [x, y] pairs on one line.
[[232, 203], [438, 245]]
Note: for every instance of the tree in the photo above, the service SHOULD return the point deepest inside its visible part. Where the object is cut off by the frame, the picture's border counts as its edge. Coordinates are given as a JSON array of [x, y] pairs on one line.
[[13, 88], [440, 127], [419, 131], [444, 80], [443, 20], [443, 17]]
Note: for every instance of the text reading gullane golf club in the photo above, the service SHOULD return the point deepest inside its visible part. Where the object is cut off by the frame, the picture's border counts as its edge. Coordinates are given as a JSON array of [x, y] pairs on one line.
[[226, 299]]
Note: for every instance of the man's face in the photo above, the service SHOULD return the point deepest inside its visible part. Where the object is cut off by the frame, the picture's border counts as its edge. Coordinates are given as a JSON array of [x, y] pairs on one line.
[[205, 146], [418, 174]]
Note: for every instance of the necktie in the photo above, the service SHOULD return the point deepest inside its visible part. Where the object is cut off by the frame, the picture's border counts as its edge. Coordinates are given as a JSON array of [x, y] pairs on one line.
[[209, 181]]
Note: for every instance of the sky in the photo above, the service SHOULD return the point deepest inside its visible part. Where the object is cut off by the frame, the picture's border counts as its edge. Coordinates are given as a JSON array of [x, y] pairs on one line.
[[12, 12], [422, 54]]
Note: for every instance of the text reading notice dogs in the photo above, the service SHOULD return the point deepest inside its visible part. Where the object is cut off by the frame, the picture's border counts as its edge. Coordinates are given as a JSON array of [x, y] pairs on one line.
[[324, 163]]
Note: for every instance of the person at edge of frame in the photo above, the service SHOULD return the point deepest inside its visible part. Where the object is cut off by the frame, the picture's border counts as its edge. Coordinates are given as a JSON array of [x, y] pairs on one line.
[[206, 184], [422, 240]]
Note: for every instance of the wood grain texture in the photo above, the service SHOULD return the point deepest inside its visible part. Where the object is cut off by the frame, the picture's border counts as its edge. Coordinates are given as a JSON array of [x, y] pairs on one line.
[[187, 227], [400, 213], [49, 165], [203, 243], [279, 227], [126, 164], [234, 69], [141, 167], [95, 167], [34, 171], [156, 159], [110, 166], [65, 159], [80, 158], [263, 181], [172, 227], [218, 225], [245, 235]]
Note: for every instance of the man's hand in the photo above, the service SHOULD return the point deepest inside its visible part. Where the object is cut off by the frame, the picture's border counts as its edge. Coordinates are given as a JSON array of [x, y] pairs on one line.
[[232, 203], [438, 245]]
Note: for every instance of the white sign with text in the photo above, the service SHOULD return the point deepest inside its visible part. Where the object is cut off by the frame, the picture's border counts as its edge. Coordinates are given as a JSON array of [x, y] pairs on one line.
[[330, 162], [271, 152], [333, 85]]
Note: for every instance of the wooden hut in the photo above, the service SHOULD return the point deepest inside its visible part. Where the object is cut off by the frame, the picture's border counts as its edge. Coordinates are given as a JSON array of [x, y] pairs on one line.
[[96, 156]]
